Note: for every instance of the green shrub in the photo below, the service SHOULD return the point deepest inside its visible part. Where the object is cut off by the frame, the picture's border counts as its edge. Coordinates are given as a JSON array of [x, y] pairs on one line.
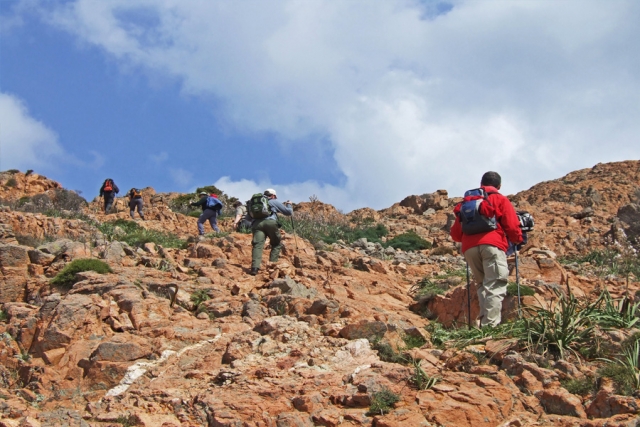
[[133, 234], [580, 386], [413, 341], [66, 277], [427, 288], [382, 401], [386, 353], [408, 242], [11, 182], [3, 316], [13, 171], [199, 296], [57, 203], [512, 290], [195, 214], [331, 228], [622, 380]]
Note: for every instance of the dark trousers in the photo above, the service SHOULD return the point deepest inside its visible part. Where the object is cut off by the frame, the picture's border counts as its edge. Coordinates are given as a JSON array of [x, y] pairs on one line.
[[136, 204]]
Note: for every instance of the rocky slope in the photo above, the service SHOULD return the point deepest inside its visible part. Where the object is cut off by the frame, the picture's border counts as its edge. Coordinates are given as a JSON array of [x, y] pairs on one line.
[[185, 337]]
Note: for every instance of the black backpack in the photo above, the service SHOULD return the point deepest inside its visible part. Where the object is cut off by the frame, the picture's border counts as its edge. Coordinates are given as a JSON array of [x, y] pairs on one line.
[[526, 221], [471, 220]]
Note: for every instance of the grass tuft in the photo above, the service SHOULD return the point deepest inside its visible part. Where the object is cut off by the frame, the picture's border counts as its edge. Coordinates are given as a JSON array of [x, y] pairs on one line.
[[66, 278]]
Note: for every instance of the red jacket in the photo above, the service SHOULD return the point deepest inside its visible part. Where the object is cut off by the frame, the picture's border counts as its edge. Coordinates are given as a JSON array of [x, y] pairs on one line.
[[508, 224]]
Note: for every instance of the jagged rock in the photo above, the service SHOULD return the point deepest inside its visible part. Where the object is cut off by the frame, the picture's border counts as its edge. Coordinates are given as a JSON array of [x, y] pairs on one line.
[[371, 330], [560, 402], [291, 287]]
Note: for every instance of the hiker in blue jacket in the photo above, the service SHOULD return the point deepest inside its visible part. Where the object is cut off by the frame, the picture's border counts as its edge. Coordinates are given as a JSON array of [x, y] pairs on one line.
[[208, 213]]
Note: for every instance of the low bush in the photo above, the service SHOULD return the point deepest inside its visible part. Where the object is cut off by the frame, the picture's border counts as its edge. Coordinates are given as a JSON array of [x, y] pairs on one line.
[[382, 401], [3, 316], [55, 203], [10, 183], [66, 278], [386, 353], [331, 228], [199, 296], [133, 234], [428, 288], [408, 242], [580, 386], [512, 290], [413, 341]]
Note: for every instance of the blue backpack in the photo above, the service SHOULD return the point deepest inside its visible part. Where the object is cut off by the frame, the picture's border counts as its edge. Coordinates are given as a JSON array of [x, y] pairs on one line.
[[214, 203], [471, 220]]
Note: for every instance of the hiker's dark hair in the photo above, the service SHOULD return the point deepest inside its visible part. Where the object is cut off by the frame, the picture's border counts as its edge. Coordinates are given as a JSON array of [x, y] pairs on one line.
[[491, 178]]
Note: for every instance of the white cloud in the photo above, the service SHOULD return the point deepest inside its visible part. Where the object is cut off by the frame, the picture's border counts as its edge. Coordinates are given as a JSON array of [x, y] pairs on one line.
[[181, 177], [25, 143], [159, 158], [531, 89]]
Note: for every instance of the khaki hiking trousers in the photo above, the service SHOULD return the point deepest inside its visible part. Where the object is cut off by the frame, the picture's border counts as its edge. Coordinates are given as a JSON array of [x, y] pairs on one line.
[[489, 267]]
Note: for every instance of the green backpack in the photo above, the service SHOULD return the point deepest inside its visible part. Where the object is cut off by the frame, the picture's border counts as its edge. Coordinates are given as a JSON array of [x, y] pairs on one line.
[[258, 206]]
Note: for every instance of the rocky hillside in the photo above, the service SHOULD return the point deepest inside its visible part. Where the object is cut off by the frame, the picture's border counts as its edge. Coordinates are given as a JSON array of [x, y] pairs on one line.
[[351, 333]]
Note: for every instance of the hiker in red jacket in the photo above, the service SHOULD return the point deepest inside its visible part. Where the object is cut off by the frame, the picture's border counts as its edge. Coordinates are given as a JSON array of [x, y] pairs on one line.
[[485, 251]]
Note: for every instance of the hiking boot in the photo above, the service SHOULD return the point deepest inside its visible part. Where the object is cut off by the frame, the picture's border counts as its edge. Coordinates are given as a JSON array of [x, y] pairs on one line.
[[254, 271]]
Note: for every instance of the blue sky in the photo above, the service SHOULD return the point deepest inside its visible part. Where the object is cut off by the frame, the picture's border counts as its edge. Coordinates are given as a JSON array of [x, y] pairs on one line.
[[360, 103]]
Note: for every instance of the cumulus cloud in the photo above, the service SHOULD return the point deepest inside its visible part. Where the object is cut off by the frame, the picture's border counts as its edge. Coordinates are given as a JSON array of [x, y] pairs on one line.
[[25, 143], [181, 177], [411, 100], [159, 158]]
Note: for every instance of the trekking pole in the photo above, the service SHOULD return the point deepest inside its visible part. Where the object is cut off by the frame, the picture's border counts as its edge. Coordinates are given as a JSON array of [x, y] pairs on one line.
[[295, 239], [468, 299], [518, 284]]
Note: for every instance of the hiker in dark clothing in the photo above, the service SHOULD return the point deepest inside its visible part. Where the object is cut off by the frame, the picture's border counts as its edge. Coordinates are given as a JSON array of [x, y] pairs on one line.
[[108, 190], [209, 214], [268, 227], [135, 202]]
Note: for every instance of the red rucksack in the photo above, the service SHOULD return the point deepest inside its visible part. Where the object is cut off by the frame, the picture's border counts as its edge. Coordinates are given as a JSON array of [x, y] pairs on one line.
[[108, 185]]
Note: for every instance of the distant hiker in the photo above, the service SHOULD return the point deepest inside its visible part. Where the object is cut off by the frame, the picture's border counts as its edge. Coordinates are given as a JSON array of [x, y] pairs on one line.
[[211, 207], [485, 224], [264, 209], [135, 202], [108, 190], [242, 219]]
